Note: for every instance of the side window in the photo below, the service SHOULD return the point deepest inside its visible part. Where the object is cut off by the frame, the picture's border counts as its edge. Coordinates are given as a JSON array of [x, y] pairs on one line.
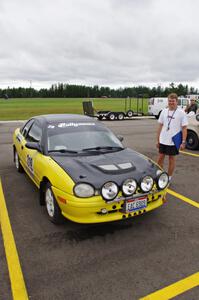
[[24, 130], [34, 134]]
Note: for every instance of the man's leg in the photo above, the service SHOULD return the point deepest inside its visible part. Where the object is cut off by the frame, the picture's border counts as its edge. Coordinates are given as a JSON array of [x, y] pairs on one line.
[[172, 164], [161, 160]]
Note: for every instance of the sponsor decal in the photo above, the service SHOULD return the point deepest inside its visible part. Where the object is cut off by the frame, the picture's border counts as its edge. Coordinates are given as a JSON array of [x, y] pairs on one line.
[[72, 124]]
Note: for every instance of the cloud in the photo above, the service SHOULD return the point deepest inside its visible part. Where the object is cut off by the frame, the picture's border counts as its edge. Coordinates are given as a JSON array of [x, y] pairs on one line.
[[105, 42]]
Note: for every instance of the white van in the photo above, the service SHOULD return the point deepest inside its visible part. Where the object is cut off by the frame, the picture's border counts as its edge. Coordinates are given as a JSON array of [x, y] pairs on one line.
[[157, 104], [193, 96]]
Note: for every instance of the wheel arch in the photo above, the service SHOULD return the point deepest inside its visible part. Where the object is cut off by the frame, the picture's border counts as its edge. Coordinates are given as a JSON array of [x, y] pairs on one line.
[[192, 131]]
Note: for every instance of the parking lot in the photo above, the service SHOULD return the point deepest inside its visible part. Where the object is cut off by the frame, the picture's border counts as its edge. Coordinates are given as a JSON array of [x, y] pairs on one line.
[[122, 260]]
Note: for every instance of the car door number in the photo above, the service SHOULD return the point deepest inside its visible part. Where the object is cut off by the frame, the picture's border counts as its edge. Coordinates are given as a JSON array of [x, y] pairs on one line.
[[30, 163]]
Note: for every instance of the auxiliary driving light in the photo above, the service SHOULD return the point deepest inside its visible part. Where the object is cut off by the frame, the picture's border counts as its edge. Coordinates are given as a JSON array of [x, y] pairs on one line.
[[146, 183], [109, 190], [163, 180], [129, 187]]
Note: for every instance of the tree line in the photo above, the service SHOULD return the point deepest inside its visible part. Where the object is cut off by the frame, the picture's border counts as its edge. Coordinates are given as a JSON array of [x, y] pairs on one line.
[[61, 90]]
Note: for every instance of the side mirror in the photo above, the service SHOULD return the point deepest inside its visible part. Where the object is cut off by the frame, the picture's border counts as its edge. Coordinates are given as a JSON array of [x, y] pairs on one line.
[[33, 146], [120, 137]]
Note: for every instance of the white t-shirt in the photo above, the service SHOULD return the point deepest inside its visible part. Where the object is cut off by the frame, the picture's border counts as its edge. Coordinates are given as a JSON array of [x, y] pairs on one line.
[[174, 120]]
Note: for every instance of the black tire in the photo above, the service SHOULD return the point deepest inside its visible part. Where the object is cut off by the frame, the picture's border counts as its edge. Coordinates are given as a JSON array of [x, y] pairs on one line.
[[111, 116], [100, 117], [130, 113], [192, 141], [17, 162], [52, 208], [120, 116]]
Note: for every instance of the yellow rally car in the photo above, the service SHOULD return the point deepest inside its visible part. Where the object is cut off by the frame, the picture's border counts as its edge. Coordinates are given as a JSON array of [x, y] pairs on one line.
[[83, 171]]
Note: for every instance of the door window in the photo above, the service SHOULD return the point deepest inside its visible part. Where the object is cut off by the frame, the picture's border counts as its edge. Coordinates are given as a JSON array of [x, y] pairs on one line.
[[26, 127], [35, 133]]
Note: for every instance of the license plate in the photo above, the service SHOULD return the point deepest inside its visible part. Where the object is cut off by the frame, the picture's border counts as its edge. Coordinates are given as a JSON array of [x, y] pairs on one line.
[[136, 204]]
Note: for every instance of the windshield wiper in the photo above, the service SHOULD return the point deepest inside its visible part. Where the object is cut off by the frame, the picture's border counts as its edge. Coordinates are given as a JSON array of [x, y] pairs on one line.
[[115, 148], [63, 151]]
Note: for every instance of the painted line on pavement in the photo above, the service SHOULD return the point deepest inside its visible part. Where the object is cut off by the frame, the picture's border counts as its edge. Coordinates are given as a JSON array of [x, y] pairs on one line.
[[189, 153], [16, 276], [175, 289], [181, 197]]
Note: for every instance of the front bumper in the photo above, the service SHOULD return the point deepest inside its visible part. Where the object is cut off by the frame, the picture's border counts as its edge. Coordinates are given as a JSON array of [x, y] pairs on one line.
[[89, 210]]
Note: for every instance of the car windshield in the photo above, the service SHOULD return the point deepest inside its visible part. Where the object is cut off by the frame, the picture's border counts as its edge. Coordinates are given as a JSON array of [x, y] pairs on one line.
[[75, 137]]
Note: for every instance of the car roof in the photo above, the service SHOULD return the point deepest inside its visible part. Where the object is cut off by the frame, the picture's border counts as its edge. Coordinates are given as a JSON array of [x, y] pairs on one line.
[[53, 118]]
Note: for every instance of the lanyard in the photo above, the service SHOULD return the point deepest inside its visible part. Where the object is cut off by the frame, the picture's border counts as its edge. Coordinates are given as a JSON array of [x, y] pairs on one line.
[[170, 118]]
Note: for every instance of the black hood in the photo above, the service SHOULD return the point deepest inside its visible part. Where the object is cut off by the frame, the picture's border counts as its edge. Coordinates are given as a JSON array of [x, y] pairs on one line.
[[114, 166]]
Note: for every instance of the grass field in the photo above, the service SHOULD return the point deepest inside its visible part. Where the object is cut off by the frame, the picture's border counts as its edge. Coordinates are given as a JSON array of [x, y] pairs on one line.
[[22, 109]]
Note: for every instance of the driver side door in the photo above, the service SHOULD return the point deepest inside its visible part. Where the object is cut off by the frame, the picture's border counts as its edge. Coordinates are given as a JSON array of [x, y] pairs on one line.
[[32, 158]]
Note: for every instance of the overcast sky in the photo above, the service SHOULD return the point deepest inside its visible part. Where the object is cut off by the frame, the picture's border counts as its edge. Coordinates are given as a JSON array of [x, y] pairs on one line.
[[103, 42]]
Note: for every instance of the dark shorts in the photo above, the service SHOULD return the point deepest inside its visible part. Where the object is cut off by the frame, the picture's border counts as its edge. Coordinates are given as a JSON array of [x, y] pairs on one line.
[[168, 150]]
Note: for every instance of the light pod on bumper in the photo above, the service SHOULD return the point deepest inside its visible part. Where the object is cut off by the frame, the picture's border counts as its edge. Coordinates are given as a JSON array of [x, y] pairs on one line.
[[146, 184], [84, 190], [109, 190], [162, 180], [129, 187]]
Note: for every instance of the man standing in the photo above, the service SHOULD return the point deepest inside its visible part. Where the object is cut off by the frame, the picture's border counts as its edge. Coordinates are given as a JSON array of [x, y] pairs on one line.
[[192, 107], [172, 122]]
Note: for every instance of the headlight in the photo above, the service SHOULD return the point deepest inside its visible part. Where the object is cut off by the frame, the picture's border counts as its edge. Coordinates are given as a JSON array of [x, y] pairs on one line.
[[129, 187], [146, 184], [197, 117], [84, 190], [163, 180], [109, 190]]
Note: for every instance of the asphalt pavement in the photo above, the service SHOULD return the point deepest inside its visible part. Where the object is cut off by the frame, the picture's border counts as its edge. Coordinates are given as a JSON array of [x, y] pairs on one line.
[[123, 260]]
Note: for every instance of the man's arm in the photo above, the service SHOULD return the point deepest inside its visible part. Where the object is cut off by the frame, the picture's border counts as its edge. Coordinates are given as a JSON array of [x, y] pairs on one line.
[[184, 137]]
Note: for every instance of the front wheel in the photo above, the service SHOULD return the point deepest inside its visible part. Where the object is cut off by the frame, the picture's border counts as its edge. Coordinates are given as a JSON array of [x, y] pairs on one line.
[[17, 162], [192, 142], [111, 116], [52, 208]]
